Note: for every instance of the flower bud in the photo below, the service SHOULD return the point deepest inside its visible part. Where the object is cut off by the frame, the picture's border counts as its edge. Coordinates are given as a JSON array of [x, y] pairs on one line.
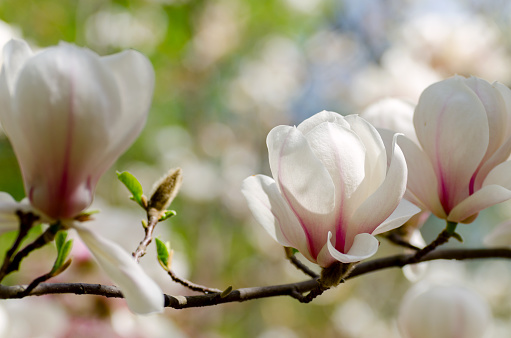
[[166, 190]]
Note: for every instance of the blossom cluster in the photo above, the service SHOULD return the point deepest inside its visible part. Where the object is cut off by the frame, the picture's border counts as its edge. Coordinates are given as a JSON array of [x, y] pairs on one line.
[[338, 181]]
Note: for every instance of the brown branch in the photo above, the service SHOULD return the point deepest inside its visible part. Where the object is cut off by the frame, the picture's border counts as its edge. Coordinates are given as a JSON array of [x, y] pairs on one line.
[[295, 290], [149, 229]]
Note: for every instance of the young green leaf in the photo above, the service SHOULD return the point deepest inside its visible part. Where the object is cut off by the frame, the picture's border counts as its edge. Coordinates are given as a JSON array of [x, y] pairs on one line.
[[163, 251], [167, 214], [133, 186], [60, 239], [63, 250]]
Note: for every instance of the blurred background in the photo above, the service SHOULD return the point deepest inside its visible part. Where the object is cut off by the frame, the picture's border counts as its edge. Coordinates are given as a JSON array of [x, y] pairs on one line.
[[227, 71]]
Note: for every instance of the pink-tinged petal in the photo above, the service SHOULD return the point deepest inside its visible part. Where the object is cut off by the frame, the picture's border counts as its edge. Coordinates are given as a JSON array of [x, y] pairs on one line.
[[142, 294], [500, 236], [272, 212], [392, 114], [496, 189], [451, 122], [496, 113], [325, 259], [404, 211], [66, 134], [500, 175], [375, 158], [325, 116], [422, 181], [364, 246], [304, 182], [486, 197], [504, 150], [380, 205], [505, 93]]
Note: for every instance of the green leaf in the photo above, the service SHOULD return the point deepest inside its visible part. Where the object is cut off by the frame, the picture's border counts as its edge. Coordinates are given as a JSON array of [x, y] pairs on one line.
[[133, 186], [60, 239], [167, 214], [64, 248], [163, 251]]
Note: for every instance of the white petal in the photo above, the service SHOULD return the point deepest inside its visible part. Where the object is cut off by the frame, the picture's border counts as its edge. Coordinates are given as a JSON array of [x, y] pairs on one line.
[[496, 189], [304, 182], [380, 205], [135, 78], [500, 236], [486, 197], [364, 246], [500, 175], [325, 116], [15, 54], [65, 101], [422, 181], [343, 155], [404, 211], [392, 114], [142, 294], [496, 112], [452, 127], [375, 157], [272, 212]]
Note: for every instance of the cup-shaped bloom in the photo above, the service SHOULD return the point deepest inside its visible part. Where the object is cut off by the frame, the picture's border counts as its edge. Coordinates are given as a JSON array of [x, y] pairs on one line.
[[69, 114], [464, 128], [331, 190], [443, 312]]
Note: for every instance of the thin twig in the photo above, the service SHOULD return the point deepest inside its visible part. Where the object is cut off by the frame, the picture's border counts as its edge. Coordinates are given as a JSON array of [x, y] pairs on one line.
[[298, 264], [149, 229], [240, 295], [192, 286], [443, 237], [398, 240], [26, 223], [34, 284], [45, 238]]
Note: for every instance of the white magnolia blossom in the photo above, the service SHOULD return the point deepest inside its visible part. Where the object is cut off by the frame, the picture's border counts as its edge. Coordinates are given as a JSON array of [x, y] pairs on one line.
[[464, 129], [331, 190], [69, 114], [443, 312]]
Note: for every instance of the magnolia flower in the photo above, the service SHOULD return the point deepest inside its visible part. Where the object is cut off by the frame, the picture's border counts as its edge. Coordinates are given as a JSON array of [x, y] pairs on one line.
[[443, 312], [69, 114], [464, 128], [331, 190]]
